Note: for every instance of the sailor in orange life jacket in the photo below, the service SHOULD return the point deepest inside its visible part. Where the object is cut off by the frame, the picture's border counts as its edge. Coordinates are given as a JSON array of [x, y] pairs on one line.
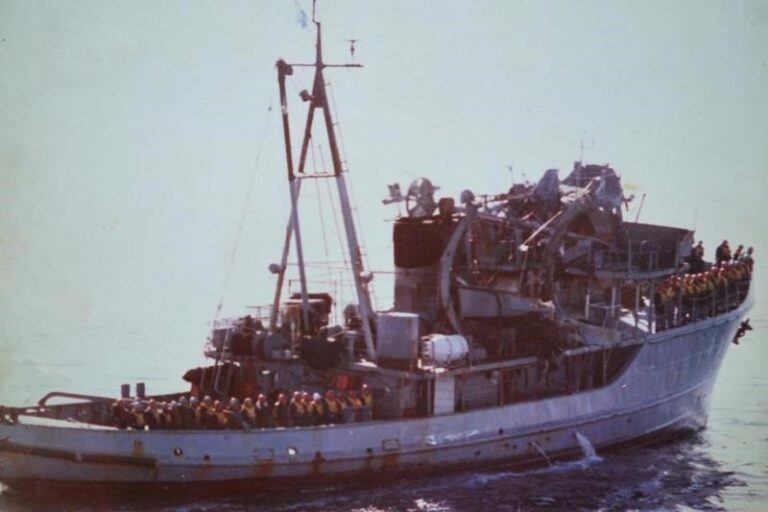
[[185, 414], [208, 418], [194, 406], [138, 421], [153, 415], [306, 399], [121, 415], [366, 412], [298, 410], [367, 396], [220, 415], [332, 407], [317, 409], [234, 420], [354, 403], [168, 413], [281, 412], [248, 413]]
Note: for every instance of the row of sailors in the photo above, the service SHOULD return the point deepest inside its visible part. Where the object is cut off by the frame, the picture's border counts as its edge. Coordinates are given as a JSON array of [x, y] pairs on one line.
[[301, 410], [702, 284], [680, 299]]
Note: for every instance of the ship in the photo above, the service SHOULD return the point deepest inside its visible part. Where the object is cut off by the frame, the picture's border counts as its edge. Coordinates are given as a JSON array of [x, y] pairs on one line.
[[525, 324]]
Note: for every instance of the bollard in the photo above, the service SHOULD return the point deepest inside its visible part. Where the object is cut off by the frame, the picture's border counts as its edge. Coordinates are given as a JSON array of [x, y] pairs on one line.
[[140, 390], [125, 390]]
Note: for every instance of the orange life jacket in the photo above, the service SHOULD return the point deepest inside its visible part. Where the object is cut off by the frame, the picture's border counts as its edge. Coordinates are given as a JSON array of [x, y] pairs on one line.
[[250, 412]]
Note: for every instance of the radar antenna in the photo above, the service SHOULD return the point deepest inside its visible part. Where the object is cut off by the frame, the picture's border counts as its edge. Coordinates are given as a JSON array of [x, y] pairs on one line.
[[420, 199]]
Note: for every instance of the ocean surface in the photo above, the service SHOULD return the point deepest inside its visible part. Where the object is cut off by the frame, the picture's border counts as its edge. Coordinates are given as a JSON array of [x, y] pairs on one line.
[[724, 467]]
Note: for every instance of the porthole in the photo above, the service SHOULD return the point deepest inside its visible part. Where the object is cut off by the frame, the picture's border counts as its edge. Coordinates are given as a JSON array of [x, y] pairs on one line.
[[178, 452]]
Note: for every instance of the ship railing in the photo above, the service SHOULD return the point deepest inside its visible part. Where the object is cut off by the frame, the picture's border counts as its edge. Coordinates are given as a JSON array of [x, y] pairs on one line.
[[85, 408], [687, 310], [603, 314], [91, 409], [258, 313], [631, 259]]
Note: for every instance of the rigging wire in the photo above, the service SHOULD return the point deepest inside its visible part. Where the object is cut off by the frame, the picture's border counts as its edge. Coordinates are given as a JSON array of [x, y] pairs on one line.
[[244, 213], [329, 270], [319, 201], [356, 213], [342, 276]]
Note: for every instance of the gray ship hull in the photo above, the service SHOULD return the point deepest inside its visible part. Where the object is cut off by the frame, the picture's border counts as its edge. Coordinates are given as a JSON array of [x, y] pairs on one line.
[[667, 386]]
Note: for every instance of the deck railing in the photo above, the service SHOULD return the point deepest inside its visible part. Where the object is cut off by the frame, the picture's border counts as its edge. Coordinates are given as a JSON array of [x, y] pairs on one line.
[[686, 310], [629, 259]]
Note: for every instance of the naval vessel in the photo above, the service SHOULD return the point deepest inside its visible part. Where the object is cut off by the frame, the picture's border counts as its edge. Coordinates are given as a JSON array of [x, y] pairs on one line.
[[524, 323]]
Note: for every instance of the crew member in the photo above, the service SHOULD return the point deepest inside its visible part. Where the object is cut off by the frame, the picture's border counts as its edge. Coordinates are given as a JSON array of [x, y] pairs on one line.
[[138, 420], [263, 416], [281, 412], [248, 413], [121, 417], [739, 252], [168, 412], [186, 414], [723, 253], [696, 258], [317, 410], [194, 404], [332, 409], [208, 417], [747, 259], [306, 399], [153, 415], [366, 411], [698, 250], [220, 416], [354, 404], [298, 410], [234, 420]]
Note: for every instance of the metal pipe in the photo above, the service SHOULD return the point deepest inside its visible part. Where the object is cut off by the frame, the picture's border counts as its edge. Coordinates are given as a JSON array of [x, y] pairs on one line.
[[284, 69], [283, 265]]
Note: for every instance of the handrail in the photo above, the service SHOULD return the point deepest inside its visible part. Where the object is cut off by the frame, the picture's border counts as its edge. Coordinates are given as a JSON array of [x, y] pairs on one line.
[[631, 258], [685, 310], [77, 396]]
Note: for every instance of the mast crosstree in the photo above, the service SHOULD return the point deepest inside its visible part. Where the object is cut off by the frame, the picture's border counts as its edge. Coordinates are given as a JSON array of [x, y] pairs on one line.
[[318, 99]]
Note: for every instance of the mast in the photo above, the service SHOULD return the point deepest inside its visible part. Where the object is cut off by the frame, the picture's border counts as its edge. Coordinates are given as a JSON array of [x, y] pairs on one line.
[[319, 99], [283, 69]]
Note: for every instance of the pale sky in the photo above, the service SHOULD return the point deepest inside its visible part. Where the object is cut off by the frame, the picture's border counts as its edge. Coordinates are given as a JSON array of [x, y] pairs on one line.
[[129, 133]]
